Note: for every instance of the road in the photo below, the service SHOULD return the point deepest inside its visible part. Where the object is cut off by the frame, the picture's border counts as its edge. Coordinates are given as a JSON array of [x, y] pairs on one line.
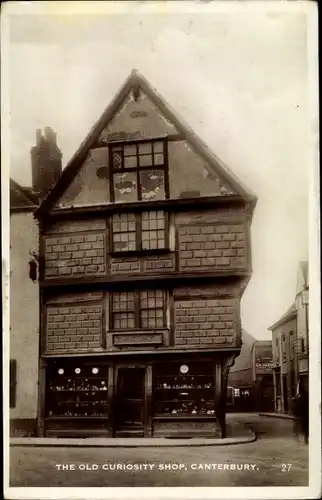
[[277, 458]]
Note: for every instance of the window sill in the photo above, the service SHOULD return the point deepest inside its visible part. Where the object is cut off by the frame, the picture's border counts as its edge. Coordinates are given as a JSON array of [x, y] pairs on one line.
[[139, 253]]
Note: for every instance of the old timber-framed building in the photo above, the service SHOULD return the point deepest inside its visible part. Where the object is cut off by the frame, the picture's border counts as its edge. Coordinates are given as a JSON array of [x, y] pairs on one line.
[[144, 257]]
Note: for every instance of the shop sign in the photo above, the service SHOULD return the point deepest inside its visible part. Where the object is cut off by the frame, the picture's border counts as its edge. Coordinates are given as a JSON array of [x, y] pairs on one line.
[[119, 339], [264, 366]]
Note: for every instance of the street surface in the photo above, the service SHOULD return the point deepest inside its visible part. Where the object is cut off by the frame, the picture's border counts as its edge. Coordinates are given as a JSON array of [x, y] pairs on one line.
[[277, 458]]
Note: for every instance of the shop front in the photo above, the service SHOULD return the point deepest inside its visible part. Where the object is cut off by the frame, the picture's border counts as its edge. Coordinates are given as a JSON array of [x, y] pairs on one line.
[[102, 396]]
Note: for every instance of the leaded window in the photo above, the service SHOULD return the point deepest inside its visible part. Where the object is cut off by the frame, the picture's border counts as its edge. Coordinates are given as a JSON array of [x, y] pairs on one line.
[[144, 309], [141, 231]]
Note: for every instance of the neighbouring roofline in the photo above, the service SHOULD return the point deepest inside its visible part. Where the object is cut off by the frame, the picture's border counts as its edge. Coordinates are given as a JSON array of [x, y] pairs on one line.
[[290, 313], [136, 80], [31, 201]]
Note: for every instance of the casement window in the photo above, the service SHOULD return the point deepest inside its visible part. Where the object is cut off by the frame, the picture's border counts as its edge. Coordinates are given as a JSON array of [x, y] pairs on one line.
[[13, 382], [139, 171], [140, 309], [139, 231]]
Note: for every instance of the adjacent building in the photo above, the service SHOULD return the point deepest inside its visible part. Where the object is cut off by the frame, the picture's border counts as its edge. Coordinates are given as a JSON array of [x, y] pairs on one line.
[[262, 374], [144, 255], [24, 311], [24, 283], [290, 336]]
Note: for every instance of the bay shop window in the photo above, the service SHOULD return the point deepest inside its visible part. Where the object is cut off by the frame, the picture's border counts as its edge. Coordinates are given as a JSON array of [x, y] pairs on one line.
[[184, 390]]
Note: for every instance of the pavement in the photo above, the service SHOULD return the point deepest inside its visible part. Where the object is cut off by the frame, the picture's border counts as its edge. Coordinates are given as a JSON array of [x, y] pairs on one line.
[[278, 458], [237, 433]]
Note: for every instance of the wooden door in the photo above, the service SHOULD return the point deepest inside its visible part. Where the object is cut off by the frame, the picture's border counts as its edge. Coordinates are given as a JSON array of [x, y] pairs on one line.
[[129, 417]]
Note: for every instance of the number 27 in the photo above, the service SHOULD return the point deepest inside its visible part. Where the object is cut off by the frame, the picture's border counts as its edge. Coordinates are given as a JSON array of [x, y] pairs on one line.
[[286, 467]]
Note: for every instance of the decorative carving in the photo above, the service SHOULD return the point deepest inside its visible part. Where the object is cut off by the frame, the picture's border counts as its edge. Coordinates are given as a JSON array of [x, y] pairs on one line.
[[138, 114], [137, 339], [228, 363], [106, 138]]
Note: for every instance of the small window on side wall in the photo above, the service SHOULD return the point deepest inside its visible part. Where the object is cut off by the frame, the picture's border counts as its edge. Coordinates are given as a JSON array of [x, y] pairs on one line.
[[13, 383]]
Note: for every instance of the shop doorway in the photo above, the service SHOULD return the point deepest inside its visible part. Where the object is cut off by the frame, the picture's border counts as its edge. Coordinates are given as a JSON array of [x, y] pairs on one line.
[[129, 415]]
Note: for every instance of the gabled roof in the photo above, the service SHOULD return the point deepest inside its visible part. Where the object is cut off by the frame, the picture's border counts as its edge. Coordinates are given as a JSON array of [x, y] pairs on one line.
[[21, 198], [290, 313], [134, 82], [243, 361]]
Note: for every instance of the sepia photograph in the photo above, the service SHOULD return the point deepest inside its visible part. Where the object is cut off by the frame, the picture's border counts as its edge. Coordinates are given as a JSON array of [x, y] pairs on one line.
[[160, 214]]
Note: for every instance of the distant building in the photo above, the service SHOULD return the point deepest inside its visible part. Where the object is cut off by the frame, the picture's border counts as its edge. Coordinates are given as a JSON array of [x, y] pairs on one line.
[[290, 346], [301, 345], [240, 379], [262, 368]]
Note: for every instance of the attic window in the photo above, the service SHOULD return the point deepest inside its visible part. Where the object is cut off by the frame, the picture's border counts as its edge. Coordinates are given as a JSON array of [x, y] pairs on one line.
[[139, 171]]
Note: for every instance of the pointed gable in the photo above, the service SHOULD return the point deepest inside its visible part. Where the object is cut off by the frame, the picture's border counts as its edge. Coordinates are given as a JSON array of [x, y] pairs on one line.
[[139, 113]]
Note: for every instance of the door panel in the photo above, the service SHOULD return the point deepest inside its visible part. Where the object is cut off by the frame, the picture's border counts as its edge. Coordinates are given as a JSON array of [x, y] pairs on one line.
[[130, 399]]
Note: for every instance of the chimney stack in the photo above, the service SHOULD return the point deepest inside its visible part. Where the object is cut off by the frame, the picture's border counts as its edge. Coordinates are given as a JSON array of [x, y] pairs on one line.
[[46, 162]]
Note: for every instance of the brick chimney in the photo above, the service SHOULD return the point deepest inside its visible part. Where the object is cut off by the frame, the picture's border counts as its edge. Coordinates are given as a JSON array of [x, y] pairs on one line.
[[46, 162]]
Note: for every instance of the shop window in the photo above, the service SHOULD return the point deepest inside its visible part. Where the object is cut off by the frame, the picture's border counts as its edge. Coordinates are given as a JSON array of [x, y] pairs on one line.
[[139, 171], [184, 390], [13, 383], [139, 232], [142, 309], [76, 390]]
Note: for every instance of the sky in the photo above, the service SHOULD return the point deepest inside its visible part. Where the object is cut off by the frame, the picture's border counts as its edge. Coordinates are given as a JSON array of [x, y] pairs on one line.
[[239, 78]]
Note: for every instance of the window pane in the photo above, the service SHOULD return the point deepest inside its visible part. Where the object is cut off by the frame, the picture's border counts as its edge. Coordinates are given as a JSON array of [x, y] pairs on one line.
[[125, 187], [158, 159], [152, 184], [145, 161], [130, 162], [158, 147], [145, 147], [130, 150]]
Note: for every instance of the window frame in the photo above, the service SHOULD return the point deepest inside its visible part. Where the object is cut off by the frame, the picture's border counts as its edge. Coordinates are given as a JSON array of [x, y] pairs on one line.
[[164, 167], [284, 352], [138, 218], [137, 311]]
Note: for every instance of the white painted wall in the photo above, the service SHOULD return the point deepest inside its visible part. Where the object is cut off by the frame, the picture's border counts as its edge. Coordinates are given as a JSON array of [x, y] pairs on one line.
[[24, 313]]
